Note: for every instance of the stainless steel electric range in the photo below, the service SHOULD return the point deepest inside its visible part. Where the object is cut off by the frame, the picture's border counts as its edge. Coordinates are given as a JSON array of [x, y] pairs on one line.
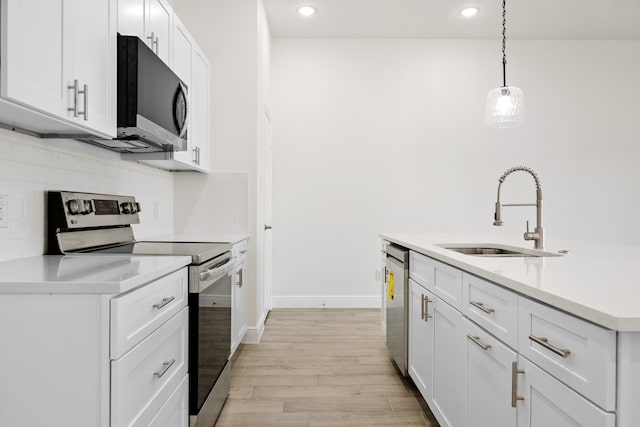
[[101, 223]]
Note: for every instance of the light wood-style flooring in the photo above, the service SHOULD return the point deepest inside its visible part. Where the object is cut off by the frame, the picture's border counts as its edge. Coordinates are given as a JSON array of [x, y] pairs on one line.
[[320, 367]]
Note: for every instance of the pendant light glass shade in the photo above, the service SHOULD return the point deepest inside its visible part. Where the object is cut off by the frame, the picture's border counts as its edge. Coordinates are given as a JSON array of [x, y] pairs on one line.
[[505, 107]]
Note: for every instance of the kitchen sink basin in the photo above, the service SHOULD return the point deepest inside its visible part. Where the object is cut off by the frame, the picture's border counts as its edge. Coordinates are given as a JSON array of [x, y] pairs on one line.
[[495, 250]]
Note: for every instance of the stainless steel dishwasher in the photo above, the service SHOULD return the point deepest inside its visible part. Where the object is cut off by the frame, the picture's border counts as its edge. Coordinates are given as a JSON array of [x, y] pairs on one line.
[[396, 286]]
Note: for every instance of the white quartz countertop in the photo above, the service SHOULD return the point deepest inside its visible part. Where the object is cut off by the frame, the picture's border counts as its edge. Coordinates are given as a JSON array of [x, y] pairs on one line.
[[593, 281], [84, 274], [199, 237]]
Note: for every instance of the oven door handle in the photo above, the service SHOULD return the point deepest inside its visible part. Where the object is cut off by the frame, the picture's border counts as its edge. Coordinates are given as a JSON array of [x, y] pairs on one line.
[[217, 270]]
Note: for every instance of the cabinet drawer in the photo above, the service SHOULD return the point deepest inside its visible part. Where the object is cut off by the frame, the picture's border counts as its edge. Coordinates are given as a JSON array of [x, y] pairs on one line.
[[447, 283], [175, 412], [548, 402], [578, 353], [421, 269], [138, 313], [143, 379], [492, 307]]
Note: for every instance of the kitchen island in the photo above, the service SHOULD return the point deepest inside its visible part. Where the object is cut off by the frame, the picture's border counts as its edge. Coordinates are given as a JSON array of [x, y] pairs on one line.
[[523, 340]]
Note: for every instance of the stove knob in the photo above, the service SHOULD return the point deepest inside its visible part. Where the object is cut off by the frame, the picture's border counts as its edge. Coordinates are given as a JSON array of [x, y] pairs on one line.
[[88, 207], [74, 206], [127, 207]]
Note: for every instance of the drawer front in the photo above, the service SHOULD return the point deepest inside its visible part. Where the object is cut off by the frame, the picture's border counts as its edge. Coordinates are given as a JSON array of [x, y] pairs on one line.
[[240, 249], [175, 412], [421, 269], [578, 353], [144, 378], [492, 307], [547, 402], [447, 283], [137, 314]]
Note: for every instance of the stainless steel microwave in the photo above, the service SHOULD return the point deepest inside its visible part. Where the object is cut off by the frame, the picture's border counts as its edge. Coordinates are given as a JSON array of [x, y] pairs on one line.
[[153, 103]]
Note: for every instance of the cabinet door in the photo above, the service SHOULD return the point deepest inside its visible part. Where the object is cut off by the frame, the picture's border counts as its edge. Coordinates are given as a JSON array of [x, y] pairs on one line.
[[449, 362], [91, 38], [159, 18], [489, 372], [420, 340], [32, 55], [182, 66], [239, 296], [548, 402], [131, 18], [200, 108]]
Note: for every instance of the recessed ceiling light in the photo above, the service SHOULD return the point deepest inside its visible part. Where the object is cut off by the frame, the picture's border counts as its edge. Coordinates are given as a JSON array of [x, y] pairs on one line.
[[469, 12], [306, 10]]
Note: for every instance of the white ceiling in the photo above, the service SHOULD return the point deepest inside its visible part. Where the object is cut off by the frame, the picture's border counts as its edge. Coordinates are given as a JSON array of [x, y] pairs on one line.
[[526, 19]]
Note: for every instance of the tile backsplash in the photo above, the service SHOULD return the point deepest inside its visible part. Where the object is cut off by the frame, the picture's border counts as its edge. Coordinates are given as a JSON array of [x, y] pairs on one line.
[[30, 167]]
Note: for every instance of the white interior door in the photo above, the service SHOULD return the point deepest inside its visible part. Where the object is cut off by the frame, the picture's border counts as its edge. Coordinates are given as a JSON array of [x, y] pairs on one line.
[[268, 219]]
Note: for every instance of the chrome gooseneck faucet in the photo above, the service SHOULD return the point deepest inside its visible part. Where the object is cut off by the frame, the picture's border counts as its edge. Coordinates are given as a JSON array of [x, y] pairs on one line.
[[538, 233]]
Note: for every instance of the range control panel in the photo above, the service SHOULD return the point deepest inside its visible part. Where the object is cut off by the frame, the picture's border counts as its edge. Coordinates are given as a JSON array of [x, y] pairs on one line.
[[89, 210]]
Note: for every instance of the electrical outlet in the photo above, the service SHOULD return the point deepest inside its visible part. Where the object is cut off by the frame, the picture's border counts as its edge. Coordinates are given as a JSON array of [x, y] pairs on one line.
[[4, 211]]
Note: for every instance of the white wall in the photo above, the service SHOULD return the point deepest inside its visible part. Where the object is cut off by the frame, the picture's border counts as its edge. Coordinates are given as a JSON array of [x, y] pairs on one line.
[[29, 167], [232, 35], [387, 136]]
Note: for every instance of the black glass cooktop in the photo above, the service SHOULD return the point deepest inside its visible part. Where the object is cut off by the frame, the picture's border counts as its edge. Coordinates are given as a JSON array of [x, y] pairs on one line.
[[199, 252]]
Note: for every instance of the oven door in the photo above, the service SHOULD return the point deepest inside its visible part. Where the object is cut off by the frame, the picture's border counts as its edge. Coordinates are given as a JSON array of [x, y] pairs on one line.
[[209, 345]]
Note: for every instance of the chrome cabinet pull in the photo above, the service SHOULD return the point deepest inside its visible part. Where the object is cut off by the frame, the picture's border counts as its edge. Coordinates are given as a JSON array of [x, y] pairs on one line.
[[85, 92], [562, 352], [479, 343], [164, 302], [481, 306], [422, 307], [152, 39], [165, 368], [156, 42], [240, 278], [74, 109], [427, 316], [195, 156], [514, 384]]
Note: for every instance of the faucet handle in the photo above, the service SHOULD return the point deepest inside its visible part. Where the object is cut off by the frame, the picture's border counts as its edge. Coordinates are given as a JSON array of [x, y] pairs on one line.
[[529, 235]]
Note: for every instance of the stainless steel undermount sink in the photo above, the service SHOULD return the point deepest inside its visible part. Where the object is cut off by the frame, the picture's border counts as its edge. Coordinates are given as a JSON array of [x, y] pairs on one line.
[[495, 250]]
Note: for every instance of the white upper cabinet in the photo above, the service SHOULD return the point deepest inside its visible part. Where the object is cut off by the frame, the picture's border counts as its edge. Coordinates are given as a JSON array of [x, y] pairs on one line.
[[93, 64], [200, 109], [59, 58], [150, 20]]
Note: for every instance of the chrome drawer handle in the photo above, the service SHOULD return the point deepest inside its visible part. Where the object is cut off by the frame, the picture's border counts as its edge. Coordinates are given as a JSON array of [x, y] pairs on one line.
[[481, 306], [165, 368], [164, 302], [514, 384], [427, 316], [562, 352], [479, 343]]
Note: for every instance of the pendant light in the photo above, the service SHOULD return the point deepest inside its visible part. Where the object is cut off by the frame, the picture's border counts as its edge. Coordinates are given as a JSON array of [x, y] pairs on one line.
[[505, 104]]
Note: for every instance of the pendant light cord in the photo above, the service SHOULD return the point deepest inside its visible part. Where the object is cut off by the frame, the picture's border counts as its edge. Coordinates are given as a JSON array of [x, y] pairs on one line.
[[504, 43]]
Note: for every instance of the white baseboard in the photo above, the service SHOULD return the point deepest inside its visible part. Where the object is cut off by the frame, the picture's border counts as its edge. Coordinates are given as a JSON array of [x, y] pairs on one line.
[[355, 301], [254, 333]]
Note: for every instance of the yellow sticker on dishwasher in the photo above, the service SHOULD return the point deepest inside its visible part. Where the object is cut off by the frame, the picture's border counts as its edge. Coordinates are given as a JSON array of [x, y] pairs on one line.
[[390, 286]]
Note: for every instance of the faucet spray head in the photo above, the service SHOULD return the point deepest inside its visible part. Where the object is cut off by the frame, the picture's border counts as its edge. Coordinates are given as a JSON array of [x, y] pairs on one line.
[[497, 215]]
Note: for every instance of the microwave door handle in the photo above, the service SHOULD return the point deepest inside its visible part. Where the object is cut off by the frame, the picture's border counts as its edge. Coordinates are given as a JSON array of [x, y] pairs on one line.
[[187, 113]]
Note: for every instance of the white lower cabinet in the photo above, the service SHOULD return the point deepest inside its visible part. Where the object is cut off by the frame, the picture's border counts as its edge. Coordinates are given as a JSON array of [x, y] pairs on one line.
[[471, 378], [239, 302], [437, 355], [58, 358], [547, 402], [489, 380], [420, 340]]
